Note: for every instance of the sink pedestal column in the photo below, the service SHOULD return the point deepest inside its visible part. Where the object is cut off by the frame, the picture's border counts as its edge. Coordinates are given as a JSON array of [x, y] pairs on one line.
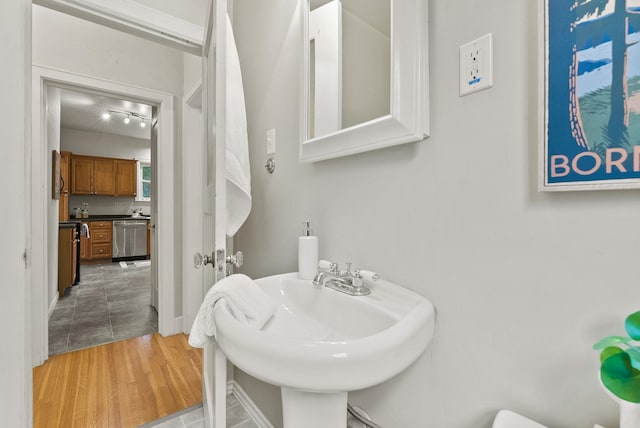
[[313, 409]]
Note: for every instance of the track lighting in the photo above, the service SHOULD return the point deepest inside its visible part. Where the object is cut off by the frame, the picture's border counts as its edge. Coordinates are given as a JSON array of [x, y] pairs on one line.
[[127, 116]]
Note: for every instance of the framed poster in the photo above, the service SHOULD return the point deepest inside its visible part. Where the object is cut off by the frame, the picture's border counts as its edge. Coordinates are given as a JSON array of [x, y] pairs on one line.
[[591, 95]]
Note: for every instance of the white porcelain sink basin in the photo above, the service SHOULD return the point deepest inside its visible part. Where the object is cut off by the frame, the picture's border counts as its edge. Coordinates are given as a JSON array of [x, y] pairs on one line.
[[324, 341]]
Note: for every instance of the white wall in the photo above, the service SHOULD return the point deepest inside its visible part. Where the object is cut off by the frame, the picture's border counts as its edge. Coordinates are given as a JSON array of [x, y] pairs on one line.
[[192, 72], [194, 13], [14, 311], [71, 44], [53, 143], [524, 282], [89, 143]]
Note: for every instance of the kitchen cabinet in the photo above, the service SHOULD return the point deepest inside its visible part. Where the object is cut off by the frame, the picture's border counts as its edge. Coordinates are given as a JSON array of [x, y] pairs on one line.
[[63, 203], [85, 248], [99, 245], [67, 258], [92, 176], [126, 177], [148, 239], [81, 175], [104, 182], [63, 208]]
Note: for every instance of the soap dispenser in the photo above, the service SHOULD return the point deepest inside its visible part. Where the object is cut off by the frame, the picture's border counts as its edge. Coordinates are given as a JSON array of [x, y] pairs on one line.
[[307, 253]]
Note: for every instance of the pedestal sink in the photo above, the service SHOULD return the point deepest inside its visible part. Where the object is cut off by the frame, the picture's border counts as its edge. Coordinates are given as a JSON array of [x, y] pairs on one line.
[[321, 344]]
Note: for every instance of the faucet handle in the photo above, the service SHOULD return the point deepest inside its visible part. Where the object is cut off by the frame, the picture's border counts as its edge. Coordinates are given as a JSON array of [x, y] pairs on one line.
[[330, 266], [334, 269], [368, 274], [348, 271], [325, 264], [359, 276], [358, 280]]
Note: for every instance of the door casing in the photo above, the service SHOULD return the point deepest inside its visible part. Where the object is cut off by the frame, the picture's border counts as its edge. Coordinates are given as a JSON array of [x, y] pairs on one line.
[[43, 77]]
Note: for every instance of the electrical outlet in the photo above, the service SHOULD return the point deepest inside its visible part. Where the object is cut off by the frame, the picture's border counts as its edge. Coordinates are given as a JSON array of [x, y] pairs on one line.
[[476, 65]]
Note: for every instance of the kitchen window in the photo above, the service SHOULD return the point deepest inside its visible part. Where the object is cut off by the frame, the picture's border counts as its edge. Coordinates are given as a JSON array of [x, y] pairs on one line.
[[144, 181]]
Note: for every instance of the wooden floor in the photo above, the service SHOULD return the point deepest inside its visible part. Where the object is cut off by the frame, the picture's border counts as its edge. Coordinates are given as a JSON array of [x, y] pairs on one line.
[[121, 384]]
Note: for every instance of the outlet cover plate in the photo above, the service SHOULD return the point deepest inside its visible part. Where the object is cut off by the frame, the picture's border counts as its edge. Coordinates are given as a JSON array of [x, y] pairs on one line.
[[476, 65]]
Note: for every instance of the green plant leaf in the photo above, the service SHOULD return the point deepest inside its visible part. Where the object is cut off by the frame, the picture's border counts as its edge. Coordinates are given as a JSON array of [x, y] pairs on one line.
[[619, 376], [634, 354], [608, 352], [632, 325], [610, 341]]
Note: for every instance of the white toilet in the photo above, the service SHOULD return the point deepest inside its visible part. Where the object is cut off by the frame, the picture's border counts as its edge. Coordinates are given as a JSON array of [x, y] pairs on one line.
[[509, 419]]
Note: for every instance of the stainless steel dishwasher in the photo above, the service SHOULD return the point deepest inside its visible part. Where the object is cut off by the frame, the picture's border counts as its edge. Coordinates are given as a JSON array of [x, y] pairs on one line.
[[129, 239]]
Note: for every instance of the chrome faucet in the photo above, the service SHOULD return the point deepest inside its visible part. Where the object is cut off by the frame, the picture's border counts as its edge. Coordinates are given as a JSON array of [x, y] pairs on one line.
[[351, 283]]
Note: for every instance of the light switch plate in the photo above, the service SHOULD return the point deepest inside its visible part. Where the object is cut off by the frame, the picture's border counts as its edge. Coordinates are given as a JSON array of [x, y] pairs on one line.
[[271, 142], [476, 65]]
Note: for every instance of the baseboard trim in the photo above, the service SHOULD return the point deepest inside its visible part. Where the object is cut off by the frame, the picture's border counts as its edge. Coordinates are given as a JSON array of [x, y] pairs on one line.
[[258, 417], [178, 325], [53, 304]]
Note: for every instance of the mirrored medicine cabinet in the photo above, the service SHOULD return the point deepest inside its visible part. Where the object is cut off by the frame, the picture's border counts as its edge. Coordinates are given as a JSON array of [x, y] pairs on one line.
[[364, 76]]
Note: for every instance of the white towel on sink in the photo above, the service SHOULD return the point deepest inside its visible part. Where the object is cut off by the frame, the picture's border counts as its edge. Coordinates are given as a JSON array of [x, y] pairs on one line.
[[243, 298]]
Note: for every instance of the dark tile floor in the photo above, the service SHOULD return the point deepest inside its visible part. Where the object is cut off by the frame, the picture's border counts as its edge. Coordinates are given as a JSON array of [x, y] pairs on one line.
[[110, 303]]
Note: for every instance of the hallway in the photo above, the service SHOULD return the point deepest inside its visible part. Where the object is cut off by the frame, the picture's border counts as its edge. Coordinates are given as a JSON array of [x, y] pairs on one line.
[[110, 303]]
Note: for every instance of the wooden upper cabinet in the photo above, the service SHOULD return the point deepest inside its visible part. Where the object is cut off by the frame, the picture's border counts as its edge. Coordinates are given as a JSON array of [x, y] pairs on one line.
[[104, 179], [126, 177], [81, 175], [91, 175]]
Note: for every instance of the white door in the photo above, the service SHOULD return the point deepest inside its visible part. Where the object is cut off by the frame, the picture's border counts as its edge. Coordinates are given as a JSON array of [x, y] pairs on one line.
[[214, 198]]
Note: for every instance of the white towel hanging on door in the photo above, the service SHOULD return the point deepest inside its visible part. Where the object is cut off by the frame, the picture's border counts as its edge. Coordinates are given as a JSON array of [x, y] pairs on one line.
[[238, 174]]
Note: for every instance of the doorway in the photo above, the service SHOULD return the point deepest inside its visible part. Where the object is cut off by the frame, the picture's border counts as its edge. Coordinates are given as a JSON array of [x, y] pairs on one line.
[[161, 210], [110, 298]]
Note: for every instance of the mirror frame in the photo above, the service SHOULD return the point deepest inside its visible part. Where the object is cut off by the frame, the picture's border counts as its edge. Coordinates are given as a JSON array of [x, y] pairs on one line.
[[408, 120]]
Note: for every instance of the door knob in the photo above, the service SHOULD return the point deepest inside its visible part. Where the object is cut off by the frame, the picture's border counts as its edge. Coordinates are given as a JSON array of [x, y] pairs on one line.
[[199, 260], [236, 260]]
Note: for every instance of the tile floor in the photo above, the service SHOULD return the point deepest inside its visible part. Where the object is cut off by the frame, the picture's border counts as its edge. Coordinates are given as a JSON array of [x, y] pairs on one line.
[[237, 417], [109, 303]]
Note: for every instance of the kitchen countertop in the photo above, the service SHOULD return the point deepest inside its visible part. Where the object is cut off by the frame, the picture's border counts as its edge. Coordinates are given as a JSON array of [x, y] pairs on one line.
[[67, 224], [105, 217]]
